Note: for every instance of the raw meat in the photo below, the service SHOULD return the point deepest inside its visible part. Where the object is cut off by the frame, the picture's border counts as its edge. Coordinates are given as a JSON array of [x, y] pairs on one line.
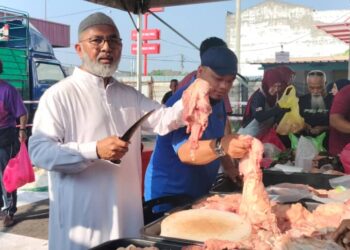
[[197, 108], [228, 203], [276, 226], [255, 205]]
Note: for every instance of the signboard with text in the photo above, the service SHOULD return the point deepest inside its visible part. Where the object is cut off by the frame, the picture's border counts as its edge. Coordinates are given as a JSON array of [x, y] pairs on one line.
[[282, 57], [147, 48], [149, 34]]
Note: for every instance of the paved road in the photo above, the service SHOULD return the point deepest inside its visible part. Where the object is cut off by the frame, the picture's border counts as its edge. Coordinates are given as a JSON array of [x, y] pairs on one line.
[[31, 223]]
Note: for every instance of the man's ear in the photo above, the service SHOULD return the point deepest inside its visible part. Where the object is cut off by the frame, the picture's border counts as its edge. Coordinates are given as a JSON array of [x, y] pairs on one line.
[[200, 71], [79, 49]]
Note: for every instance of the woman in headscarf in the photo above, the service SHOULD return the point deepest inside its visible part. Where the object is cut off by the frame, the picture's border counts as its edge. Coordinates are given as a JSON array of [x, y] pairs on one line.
[[262, 110], [334, 87]]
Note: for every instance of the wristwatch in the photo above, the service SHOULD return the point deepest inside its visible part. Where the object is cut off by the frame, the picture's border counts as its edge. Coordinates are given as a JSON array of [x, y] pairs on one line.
[[219, 150]]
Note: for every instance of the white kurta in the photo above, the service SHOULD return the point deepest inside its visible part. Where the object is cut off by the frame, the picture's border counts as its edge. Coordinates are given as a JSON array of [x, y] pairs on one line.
[[91, 200]]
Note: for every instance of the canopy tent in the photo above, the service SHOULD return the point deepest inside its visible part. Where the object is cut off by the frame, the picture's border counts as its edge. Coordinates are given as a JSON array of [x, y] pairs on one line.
[[140, 7], [340, 31]]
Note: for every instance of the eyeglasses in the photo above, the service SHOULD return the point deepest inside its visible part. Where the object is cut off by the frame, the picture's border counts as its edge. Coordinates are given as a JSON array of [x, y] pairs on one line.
[[316, 73], [99, 41]]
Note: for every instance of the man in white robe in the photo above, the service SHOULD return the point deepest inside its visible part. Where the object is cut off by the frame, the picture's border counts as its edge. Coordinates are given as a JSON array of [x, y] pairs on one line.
[[75, 137]]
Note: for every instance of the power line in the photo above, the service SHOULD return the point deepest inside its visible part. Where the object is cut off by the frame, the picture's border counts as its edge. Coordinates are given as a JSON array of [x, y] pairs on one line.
[[177, 44], [79, 12]]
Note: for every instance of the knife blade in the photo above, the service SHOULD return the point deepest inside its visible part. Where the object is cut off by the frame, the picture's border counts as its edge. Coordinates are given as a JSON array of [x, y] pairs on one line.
[[130, 132]]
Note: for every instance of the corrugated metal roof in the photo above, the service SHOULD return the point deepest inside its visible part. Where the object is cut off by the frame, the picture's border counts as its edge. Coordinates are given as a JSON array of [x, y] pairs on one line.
[[58, 34], [338, 30]]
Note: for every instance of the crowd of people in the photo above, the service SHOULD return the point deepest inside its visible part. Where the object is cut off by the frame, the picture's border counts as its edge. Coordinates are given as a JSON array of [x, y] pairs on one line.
[[77, 128], [323, 108]]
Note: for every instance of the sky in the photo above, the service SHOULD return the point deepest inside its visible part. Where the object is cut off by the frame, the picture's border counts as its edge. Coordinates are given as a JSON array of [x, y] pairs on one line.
[[196, 22]]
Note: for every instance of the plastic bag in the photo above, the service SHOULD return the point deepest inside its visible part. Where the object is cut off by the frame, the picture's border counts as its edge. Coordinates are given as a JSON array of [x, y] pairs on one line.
[[291, 122], [345, 158], [288, 192], [255, 128], [305, 153], [19, 170], [272, 137], [316, 141]]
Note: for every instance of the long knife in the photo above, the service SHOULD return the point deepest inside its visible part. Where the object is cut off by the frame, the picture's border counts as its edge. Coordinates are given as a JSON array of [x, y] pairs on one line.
[[130, 132]]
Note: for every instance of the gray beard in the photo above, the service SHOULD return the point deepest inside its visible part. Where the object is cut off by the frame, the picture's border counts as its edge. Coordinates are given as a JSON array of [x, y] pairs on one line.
[[98, 69], [317, 102]]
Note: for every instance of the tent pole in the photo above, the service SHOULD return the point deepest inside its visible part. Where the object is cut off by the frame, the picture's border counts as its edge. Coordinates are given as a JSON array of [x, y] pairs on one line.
[[139, 52]]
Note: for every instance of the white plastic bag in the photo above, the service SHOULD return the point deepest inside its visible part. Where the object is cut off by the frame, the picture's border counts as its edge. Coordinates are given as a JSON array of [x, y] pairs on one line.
[[343, 181], [271, 150], [288, 192], [255, 128], [305, 153]]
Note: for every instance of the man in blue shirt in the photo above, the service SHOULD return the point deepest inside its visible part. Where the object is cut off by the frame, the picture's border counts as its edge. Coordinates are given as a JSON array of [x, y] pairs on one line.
[[171, 169]]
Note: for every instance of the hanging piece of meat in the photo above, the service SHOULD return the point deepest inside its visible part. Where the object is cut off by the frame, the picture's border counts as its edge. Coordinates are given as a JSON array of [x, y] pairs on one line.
[[255, 204], [197, 108]]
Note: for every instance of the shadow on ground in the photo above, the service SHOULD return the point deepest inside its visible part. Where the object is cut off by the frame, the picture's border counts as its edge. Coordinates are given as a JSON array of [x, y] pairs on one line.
[[31, 220]]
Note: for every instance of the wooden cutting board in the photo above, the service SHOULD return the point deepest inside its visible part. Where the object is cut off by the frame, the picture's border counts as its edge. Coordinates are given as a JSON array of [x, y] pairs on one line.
[[205, 224]]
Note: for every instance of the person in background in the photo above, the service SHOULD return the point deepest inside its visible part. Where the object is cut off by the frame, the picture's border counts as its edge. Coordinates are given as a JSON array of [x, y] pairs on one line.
[[172, 170], [334, 87], [287, 74], [11, 109], [314, 107], [173, 87], [76, 137], [262, 110], [339, 118]]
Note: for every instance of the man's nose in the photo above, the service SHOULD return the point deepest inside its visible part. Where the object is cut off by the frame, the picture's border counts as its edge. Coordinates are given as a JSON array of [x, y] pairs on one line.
[[105, 46]]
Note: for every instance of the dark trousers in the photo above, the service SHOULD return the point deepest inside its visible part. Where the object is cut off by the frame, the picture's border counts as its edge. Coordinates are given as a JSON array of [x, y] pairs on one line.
[[6, 153]]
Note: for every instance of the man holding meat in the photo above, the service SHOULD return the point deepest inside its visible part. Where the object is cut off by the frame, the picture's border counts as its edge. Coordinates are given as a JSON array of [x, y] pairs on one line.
[[76, 136], [175, 168]]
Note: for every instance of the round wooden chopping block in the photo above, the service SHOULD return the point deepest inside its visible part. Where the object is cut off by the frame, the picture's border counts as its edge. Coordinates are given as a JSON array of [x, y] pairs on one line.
[[205, 224]]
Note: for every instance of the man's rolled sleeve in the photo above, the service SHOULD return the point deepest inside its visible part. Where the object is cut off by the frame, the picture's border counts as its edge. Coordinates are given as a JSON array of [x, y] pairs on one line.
[[88, 150]]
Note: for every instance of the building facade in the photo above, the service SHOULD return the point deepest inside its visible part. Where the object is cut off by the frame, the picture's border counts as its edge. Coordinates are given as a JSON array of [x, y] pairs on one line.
[[268, 26]]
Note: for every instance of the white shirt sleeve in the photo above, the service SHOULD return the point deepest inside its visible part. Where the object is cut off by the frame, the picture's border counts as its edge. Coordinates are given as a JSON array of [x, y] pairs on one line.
[[47, 148], [165, 120]]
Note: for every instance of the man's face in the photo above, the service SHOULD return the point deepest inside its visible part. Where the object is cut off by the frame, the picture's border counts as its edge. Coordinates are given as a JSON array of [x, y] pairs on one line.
[[173, 85], [316, 85], [219, 85], [100, 57]]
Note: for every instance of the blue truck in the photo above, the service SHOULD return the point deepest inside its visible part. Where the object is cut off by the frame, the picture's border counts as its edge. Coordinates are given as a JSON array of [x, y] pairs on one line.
[[29, 62]]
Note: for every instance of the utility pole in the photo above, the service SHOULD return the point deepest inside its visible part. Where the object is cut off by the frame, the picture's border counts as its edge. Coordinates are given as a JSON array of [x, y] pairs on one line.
[[238, 32], [238, 44], [45, 10]]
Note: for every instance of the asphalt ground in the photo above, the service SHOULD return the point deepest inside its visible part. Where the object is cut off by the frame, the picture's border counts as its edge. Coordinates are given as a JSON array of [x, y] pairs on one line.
[[30, 220]]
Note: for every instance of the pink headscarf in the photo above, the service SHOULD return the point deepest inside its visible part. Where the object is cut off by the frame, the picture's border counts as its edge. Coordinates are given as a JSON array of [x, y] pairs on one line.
[[272, 76], [286, 73], [281, 74]]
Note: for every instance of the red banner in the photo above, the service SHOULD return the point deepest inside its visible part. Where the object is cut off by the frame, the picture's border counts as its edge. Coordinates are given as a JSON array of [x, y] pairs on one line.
[[151, 34], [147, 48]]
